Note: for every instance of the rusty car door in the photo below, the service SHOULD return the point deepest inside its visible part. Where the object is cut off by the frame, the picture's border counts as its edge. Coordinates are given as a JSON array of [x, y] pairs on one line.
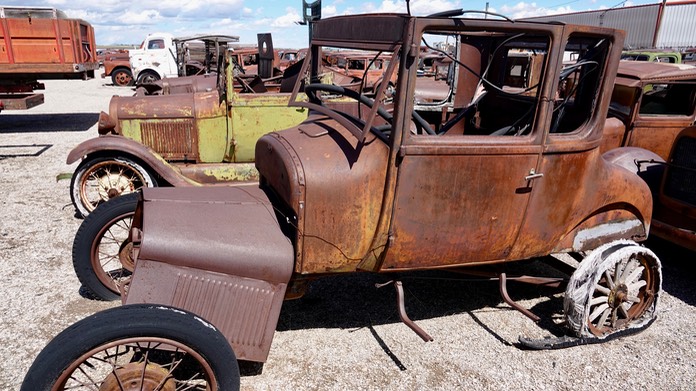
[[461, 193], [579, 199]]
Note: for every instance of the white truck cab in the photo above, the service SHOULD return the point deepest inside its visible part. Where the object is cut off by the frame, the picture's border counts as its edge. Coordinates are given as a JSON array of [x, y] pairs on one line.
[[156, 58]]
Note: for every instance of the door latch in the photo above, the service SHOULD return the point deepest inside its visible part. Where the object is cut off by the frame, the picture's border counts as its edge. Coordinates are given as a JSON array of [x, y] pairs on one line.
[[533, 175]]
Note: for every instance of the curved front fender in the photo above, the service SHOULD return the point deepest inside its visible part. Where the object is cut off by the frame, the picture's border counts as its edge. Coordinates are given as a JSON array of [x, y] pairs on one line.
[[114, 145]]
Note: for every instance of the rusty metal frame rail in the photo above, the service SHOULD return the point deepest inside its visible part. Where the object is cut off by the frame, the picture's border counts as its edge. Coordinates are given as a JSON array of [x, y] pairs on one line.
[[491, 276], [402, 310], [502, 284]]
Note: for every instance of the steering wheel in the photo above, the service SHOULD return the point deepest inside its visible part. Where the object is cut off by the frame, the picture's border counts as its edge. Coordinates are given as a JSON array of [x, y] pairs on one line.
[[311, 90]]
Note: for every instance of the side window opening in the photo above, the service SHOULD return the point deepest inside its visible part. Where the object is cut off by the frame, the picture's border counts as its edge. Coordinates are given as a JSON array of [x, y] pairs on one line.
[[493, 83], [668, 99], [156, 44], [579, 84]]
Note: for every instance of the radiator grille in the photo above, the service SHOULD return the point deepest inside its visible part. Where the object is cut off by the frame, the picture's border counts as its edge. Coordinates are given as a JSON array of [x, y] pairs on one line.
[[173, 139], [680, 183]]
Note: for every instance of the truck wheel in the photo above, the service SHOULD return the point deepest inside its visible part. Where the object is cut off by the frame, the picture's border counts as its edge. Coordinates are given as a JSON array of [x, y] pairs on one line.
[[122, 77], [615, 288], [101, 250], [136, 347], [147, 77], [100, 179]]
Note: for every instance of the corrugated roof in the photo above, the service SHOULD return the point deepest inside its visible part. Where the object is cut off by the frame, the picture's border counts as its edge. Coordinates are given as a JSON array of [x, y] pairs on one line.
[[639, 22], [678, 26]]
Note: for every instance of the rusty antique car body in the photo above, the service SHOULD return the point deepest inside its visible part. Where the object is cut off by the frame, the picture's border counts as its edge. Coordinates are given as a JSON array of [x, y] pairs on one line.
[[197, 130], [375, 187], [358, 69], [654, 102], [653, 106]]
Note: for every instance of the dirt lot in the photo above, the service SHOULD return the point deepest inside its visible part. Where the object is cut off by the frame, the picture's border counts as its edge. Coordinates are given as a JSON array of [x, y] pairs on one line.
[[344, 334]]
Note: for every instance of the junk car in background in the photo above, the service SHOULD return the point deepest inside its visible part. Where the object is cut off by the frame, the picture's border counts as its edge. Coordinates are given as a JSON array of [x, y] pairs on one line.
[[195, 130], [654, 108]]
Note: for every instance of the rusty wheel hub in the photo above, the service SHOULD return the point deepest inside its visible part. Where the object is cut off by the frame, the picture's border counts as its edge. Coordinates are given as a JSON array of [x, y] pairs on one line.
[[113, 185], [125, 255], [139, 377], [618, 296]]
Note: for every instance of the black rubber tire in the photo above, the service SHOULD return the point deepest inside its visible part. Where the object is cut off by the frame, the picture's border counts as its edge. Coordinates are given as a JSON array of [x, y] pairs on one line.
[[122, 77], [88, 164], [89, 235], [147, 77], [133, 321]]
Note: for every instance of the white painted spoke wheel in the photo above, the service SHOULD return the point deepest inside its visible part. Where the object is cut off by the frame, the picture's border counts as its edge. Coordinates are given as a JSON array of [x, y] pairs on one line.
[[101, 179], [616, 287]]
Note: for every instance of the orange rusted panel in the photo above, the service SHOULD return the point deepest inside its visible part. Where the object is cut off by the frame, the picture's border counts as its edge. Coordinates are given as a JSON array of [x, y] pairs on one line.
[[44, 43]]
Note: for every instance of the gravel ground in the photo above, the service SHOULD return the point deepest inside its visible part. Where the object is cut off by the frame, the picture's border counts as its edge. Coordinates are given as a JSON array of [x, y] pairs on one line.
[[344, 334]]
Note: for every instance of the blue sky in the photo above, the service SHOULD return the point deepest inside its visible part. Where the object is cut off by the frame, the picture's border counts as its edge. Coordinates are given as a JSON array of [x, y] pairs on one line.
[[129, 21]]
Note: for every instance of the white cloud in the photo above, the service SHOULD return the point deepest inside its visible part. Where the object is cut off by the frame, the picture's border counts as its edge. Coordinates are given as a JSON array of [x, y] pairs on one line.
[[146, 17], [526, 10], [418, 7], [291, 18]]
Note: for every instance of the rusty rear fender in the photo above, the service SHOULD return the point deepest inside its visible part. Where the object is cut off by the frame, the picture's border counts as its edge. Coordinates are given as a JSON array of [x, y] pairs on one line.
[[115, 146], [625, 215]]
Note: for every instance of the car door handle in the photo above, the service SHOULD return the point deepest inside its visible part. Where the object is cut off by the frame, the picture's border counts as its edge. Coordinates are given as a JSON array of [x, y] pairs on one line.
[[533, 175]]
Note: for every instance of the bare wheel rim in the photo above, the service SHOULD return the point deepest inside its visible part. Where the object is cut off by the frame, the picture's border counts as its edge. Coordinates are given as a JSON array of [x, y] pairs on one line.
[[123, 78], [139, 363], [110, 255], [106, 180], [622, 294]]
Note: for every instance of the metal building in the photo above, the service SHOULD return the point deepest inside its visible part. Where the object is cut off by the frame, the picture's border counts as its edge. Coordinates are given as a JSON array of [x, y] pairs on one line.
[[659, 25]]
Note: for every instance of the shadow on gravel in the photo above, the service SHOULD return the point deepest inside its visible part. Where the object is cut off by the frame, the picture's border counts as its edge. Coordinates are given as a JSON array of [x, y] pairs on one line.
[[33, 150], [352, 301], [37, 123], [678, 269]]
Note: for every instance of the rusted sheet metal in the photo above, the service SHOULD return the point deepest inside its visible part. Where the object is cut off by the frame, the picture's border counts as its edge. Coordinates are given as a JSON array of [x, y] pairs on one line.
[[678, 190], [613, 135], [237, 283], [188, 127], [350, 196], [670, 229], [45, 42], [179, 85], [21, 101], [674, 217], [336, 222], [656, 135], [482, 216], [655, 101], [655, 71], [582, 201], [205, 214], [125, 146]]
